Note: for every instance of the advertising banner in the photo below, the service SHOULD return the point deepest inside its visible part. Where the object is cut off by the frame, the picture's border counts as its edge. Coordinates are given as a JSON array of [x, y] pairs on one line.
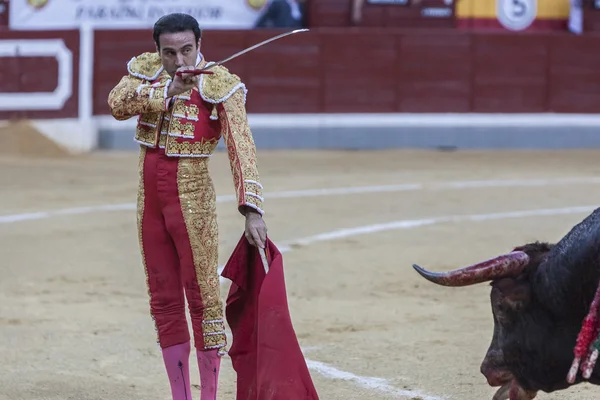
[[130, 14]]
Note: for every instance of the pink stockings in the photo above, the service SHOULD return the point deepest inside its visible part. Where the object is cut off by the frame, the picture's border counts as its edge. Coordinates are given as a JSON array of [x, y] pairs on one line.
[[209, 363], [177, 363], [176, 359]]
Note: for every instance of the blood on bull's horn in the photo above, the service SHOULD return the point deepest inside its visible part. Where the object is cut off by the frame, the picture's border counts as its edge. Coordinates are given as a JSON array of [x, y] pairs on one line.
[[506, 265]]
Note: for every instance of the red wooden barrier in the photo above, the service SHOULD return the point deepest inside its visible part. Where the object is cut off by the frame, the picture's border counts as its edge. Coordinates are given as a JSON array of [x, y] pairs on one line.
[[34, 67], [591, 16], [349, 70], [382, 70]]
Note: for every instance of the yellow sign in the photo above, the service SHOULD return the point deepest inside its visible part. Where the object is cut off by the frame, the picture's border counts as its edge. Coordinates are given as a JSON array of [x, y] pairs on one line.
[[256, 4], [544, 9], [37, 4]]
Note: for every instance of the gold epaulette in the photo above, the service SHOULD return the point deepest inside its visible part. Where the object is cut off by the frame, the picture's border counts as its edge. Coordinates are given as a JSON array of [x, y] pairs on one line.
[[145, 66], [219, 86]]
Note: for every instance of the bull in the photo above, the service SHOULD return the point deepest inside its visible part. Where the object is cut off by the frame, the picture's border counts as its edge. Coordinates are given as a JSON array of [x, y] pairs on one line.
[[540, 296]]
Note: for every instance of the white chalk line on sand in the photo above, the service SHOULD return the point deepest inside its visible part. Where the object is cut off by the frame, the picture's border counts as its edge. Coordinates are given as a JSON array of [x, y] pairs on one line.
[[366, 382], [11, 218], [372, 383], [381, 384]]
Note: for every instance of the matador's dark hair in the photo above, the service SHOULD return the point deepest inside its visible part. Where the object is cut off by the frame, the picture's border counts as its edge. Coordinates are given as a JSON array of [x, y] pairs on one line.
[[176, 22]]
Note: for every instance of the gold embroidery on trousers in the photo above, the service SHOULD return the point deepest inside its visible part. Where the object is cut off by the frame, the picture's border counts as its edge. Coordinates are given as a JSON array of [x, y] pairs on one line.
[[198, 205], [140, 215]]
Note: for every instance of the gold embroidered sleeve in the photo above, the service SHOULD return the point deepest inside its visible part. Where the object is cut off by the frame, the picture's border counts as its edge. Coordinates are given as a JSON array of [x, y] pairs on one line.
[[242, 153], [133, 97]]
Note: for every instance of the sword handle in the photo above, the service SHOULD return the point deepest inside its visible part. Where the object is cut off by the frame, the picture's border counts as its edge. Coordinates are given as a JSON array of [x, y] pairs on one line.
[[265, 262], [194, 72]]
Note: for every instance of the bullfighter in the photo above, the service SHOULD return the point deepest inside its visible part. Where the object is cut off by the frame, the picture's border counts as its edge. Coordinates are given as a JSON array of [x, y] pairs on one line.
[[181, 117]]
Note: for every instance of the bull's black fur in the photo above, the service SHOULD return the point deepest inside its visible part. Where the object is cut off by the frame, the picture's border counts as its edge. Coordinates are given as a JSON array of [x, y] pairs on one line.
[[537, 338], [567, 280], [539, 313]]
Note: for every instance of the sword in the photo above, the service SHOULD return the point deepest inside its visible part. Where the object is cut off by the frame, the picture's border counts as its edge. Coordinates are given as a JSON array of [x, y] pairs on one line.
[[239, 53]]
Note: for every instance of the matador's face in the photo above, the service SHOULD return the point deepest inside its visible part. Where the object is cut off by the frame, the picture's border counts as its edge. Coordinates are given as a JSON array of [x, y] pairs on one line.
[[178, 49]]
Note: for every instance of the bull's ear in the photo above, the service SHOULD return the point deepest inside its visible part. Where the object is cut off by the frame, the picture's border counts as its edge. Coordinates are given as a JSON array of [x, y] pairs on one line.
[[515, 294]]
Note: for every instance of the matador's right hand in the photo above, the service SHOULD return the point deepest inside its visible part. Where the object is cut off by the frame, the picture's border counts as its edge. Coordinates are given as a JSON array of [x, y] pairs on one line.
[[183, 83]]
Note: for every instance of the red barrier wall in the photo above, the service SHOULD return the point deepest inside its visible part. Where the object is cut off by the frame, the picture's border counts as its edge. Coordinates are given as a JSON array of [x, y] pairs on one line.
[[351, 70], [591, 17], [382, 70], [38, 72]]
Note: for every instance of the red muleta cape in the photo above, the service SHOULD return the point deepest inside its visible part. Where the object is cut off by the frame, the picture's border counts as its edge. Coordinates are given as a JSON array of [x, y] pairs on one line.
[[265, 352]]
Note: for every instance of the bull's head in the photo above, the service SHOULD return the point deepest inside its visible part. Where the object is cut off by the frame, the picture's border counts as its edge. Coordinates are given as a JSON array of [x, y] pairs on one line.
[[540, 294]]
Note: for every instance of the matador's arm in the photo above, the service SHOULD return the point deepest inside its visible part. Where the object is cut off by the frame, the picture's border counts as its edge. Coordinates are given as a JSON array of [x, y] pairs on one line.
[[133, 96], [242, 153]]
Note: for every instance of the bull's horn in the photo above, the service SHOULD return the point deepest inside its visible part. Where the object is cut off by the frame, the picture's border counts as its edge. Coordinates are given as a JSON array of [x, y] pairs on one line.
[[499, 267]]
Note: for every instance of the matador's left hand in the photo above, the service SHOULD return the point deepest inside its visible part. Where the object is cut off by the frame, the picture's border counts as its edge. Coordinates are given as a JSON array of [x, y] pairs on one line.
[[256, 230]]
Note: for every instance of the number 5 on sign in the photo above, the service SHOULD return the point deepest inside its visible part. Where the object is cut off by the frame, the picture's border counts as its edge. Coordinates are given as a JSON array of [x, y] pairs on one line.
[[516, 15]]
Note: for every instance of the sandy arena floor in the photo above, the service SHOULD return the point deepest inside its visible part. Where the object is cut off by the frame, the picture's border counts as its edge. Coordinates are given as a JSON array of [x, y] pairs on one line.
[[74, 321]]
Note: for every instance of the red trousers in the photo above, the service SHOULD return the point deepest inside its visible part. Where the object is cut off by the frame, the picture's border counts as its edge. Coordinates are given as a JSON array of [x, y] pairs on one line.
[[178, 234]]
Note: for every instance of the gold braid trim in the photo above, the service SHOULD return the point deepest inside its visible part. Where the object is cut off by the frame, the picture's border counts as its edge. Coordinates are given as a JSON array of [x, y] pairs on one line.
[[131, 97], [199, 208], [136, 95], [242, 152], [219, 87], [146, 66], [185, 148], [141, 199]]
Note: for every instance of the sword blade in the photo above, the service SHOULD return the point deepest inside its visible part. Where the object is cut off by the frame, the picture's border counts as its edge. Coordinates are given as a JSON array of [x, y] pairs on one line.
[[239, 53]]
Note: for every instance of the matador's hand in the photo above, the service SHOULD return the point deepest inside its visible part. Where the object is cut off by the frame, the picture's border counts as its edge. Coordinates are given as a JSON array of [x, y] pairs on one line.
[[256, 230], [183, 83]]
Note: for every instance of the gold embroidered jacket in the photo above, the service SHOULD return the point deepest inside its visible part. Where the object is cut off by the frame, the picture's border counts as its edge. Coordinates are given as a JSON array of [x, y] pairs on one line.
[[192, 123]]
